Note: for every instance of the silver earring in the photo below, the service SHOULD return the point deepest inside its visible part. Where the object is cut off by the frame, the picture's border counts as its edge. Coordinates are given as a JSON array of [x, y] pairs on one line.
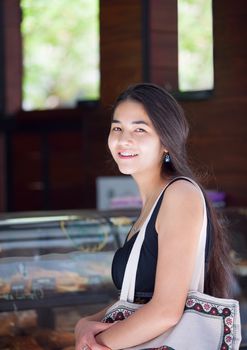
[[167, 158]]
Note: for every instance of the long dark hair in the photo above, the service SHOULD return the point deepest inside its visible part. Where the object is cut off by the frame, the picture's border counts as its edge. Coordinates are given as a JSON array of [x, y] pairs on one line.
[[172, 127]]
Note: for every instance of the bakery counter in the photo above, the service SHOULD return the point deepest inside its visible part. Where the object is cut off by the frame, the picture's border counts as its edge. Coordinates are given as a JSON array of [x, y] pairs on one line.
[[55, 268], [43, 257]]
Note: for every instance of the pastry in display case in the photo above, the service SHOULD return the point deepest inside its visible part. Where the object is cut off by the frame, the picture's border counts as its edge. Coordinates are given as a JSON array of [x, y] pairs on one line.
[[53, 270]]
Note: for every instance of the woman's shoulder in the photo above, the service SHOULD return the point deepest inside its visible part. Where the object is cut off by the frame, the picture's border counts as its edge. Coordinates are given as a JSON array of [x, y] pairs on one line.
[[181, 199], [183, 189], [182, 195]]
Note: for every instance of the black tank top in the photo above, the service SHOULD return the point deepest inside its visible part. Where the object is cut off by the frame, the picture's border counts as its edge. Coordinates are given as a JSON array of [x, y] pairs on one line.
[[146, 270]]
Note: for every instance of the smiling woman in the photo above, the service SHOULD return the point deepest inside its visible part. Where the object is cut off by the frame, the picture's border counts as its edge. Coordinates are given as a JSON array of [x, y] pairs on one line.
[[175, 246]]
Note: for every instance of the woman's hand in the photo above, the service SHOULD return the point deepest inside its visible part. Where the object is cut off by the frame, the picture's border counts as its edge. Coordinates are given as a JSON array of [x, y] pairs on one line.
[[85, 332]]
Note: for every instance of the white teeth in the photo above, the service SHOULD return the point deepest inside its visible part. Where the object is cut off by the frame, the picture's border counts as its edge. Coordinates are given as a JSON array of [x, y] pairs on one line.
[[127, 154]]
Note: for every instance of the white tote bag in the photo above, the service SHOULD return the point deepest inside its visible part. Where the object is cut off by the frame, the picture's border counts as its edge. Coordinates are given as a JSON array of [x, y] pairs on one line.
[[208, 323]]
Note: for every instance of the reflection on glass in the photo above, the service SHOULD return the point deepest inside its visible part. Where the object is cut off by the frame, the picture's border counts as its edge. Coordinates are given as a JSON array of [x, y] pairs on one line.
[[195, 45], [63, 254], [60, 52]]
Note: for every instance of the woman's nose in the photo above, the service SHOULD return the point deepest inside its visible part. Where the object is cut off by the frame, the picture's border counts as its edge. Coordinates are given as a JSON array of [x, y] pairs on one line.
[[125, 138]]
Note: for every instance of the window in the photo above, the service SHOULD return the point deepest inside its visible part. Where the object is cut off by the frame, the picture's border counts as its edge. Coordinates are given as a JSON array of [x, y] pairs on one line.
[[195, 45], [60, 52]]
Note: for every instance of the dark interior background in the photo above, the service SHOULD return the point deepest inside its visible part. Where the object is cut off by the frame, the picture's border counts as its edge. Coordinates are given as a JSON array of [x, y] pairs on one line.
[[50, 159]]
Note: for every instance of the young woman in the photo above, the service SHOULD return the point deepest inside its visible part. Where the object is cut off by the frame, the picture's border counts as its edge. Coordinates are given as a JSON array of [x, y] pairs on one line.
[[148, 141]]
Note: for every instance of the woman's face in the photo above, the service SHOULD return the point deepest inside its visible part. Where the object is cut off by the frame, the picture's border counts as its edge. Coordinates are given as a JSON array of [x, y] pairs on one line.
[[133, 141]]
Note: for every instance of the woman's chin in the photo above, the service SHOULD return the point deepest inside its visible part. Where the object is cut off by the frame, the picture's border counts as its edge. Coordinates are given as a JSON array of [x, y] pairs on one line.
[[125, 171]]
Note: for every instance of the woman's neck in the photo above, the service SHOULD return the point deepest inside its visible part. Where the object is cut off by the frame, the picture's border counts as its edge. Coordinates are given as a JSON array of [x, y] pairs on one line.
[[150, 187]]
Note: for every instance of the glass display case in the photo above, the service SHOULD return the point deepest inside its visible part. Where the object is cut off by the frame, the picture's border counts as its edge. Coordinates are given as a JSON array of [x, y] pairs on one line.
[[55, 267]]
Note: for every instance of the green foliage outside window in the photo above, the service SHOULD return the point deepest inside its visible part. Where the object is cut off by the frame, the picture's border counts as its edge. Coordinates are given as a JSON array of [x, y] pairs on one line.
[[195, 45], [60, 52]]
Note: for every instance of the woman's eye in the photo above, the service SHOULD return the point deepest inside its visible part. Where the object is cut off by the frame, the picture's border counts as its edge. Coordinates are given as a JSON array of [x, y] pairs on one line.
[[116, 128], [140, 130]]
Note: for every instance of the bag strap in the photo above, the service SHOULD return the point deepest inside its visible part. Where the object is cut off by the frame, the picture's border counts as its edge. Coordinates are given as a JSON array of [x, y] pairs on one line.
[[129, 280]]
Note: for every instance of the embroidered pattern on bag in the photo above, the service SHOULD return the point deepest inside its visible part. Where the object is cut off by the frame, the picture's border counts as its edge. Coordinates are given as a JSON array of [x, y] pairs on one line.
[[118, 314], [192, 304], [226, 314], [160, 348]]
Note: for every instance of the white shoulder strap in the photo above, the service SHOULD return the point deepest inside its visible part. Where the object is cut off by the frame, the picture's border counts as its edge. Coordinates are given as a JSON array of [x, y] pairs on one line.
[[197, 282], [128, 286]]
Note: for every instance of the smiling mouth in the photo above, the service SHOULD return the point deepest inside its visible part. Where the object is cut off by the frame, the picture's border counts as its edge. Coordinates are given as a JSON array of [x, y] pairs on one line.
[[127, 154]]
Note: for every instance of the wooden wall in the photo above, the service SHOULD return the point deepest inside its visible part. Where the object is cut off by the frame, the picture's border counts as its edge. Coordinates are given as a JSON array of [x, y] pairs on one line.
[[12, 53], [138, 42], [121, 46], [10, 84], [162, 46], [46, 168], [54, 158], [219, 124]]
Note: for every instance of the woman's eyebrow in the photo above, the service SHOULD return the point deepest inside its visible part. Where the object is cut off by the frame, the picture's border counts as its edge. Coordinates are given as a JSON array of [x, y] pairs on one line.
[[134, 122], [140, 122]]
